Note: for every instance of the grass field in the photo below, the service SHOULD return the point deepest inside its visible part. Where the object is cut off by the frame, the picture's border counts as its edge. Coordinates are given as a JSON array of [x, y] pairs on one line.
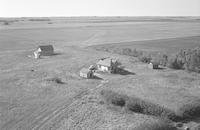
[[31, 97], [168, 46]]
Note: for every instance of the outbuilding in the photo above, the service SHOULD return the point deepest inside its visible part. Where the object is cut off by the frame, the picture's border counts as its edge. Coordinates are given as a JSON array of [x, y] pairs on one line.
[[86, 73], [153, 65], [44, 50]]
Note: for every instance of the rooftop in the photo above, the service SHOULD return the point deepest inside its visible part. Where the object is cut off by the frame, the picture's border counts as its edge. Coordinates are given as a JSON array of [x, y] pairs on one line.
[[106, 62], [46, 47]]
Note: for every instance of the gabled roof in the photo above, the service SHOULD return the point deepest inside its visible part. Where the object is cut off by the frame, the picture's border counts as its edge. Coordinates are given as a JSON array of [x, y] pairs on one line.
[[46, 47], [154, 62], [106, 62], [85, 70]]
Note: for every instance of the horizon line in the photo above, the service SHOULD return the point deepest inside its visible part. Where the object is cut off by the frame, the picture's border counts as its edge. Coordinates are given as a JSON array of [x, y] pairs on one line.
[[93, 16]]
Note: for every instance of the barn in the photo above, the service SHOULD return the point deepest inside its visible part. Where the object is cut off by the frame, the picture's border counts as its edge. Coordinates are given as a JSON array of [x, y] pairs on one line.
[[86, 73], [107, 65], [44, 50]]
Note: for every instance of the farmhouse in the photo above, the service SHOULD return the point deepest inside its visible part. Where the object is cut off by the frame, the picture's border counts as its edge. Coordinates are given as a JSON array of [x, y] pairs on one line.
[[153, 65], [107, 65], [86, 73], [45, 50]]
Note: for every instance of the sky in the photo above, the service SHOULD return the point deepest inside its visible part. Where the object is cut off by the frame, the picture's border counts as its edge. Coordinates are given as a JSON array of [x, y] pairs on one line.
[[47, 8]]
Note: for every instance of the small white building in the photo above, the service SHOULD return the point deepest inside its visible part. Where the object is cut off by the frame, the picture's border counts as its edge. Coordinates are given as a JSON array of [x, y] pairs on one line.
[[153, 65], [36, 54], [44, 50], [86, 73], [107, 65]]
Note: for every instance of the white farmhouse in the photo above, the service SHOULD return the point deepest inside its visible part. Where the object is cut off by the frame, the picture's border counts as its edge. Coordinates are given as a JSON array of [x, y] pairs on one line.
[[107, 65]]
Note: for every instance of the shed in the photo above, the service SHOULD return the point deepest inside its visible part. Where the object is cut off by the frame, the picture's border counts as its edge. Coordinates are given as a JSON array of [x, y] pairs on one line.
[[153, 65], [86, 73], [45, 50]]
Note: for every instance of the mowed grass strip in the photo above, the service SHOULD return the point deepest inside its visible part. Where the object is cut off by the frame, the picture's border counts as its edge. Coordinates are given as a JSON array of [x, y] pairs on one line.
[[137, 105]]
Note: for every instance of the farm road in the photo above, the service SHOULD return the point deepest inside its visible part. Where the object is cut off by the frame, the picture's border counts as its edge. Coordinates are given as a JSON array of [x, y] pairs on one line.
[[47, 116]]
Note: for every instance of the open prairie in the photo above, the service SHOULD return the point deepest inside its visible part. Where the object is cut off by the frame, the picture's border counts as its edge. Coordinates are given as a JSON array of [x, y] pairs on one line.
[[48, 93]]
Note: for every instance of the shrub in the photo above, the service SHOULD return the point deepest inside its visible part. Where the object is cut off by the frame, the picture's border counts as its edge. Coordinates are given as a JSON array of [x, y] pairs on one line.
[[145, 58], [160, 125], [186, 59], [39, 19], [192, 60], [137, 105], [6, 23], [174, 63], [130, 52], [114, 98], [56, 80], [190, 110]]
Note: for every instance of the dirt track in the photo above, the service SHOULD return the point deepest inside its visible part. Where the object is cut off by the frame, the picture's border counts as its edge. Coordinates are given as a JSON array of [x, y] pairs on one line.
[[47, 116]]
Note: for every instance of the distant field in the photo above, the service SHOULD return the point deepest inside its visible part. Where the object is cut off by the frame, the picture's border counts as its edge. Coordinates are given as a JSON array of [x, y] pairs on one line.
[[27, 33], [171, 45]]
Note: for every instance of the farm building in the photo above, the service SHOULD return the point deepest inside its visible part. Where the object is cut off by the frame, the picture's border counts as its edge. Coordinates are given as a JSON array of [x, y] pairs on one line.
[[107, 65], [45, 50], [153, 65], [86, 73]]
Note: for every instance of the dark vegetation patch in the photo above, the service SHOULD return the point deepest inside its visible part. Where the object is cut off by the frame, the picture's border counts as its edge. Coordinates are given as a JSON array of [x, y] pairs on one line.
[[8, 22], [39, 19], [55, 80], [114, 98], [134, 104], [189, 111], [137, 105], [160, 125]]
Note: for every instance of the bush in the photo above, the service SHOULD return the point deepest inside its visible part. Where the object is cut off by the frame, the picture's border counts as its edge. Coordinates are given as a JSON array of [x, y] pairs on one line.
[[39, 19], [192, 60], [145, 58], [186, 59], [137, 105], [6, 23], [141, 106], [56, 80], [114, 98], [130, 52], [160, 125], [174, 63], [190, 110]]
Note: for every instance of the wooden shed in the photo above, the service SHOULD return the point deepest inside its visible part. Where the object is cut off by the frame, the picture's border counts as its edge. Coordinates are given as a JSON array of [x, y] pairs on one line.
[[86, 73], [153, 65], [45, 50]]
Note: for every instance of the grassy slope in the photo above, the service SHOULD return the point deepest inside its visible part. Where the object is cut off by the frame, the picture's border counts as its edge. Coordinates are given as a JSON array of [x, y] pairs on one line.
[[27, 97]]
